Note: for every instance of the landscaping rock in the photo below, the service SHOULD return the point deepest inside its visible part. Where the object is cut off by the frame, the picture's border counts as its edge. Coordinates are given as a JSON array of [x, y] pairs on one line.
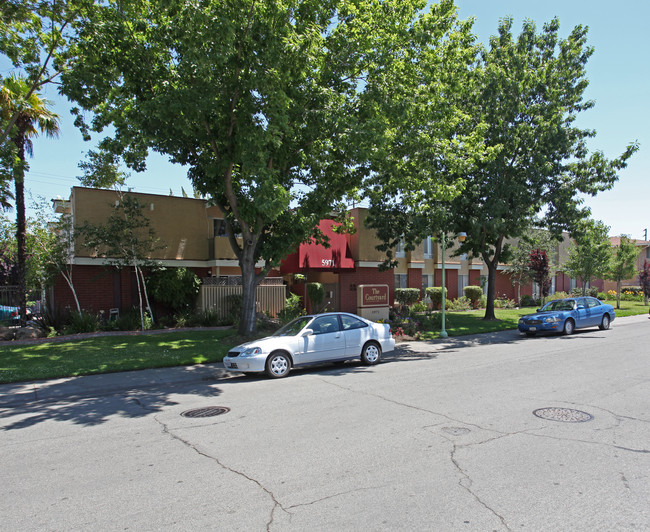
[[7, 333], [28, 333]]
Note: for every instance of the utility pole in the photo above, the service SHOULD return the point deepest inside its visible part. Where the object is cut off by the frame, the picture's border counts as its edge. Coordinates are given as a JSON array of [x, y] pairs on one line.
[[645, 234]]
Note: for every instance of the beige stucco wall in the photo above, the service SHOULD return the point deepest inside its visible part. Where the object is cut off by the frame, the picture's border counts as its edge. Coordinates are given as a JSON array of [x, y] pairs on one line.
[[181, 224]]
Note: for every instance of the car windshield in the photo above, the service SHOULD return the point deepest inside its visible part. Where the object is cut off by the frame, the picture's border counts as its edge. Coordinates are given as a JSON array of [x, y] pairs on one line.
[[293, 327], [560, 304]]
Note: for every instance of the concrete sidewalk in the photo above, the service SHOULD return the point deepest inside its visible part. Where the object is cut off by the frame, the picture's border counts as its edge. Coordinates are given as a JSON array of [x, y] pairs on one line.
[[110, 383]]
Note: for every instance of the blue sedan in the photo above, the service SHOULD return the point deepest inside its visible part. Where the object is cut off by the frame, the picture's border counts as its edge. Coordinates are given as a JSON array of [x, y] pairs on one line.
[[567, 315]]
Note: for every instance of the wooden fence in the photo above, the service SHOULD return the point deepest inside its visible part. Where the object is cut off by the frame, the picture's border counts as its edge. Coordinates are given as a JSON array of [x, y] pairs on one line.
[[270, 298]]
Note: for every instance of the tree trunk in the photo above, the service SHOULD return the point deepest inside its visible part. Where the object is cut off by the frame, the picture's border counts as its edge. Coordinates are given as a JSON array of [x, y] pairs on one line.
[[250, 280], [68, 279], [146, 296], [618, 294], [19, 182], [492, 279]]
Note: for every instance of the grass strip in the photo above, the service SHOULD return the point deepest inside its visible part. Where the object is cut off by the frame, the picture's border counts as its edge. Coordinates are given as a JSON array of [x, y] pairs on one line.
[[108, 354]]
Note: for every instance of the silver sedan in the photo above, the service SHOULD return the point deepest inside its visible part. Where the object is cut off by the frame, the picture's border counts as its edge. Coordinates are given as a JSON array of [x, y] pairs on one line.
[[330, 337]]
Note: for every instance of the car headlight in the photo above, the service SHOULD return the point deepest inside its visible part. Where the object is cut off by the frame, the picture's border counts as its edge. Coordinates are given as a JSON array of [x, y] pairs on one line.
[[250, 352], [552, 319]]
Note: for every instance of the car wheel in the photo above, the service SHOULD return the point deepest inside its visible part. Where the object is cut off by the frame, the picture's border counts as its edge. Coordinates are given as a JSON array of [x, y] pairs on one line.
[[278, 365], [569, 327], [604, 325], [371, 353], [530, 334]]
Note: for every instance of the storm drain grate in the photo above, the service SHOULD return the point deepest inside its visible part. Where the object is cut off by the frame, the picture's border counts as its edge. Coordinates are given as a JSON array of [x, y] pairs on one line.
[[567, 415], [207, 411]]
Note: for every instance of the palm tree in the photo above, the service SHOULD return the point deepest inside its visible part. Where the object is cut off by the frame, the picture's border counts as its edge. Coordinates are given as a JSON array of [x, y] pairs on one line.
[[33, 116]]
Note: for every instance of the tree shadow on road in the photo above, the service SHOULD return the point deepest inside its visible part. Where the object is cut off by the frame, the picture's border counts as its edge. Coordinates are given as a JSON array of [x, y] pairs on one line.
[[58, 402]]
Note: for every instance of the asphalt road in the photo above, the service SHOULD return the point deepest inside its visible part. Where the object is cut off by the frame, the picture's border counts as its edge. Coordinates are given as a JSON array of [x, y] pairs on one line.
[[441, 436]]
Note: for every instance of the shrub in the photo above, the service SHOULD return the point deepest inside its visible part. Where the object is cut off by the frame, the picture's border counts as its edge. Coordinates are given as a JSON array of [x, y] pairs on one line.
[[435, 293], [461, 303], [233, 303], [316, 295], [129, 321], [504, 302], [292, 309], [611, 294], [407, 296], [559, 295], [418, 307], [602, 296], [630, 296], [529, 301], [176, 288], [207, 318], [474, 294], [81, 322]]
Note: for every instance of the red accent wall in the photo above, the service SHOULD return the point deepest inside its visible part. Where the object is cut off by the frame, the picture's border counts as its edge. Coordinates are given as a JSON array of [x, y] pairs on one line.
[[348, 282], [451, 282], [414, 279]]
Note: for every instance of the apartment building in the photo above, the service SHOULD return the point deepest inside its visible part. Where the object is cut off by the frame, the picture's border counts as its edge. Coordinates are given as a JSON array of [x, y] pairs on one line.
[[191, 234]]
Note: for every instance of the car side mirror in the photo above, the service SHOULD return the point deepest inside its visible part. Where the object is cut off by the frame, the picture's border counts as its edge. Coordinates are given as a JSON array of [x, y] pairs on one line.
[[581, 307], [307, 332], [538, 310]]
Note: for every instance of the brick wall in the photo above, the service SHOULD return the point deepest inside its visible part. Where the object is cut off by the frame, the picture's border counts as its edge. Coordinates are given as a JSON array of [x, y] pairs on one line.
[[348, 282], [93, 285]]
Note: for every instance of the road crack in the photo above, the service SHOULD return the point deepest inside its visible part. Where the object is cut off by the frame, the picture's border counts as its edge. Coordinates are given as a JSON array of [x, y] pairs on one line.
[[276, 503]]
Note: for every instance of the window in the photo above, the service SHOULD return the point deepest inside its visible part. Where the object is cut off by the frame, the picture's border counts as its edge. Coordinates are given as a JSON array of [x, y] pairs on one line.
[[401, 280], [427, 281], [399, 250], [463, 281], [428, 248], [219, 227], [350, 323], [325, 324], [647, 253]]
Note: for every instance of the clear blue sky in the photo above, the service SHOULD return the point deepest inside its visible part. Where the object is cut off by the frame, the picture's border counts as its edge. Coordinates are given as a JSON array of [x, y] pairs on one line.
[[619, 74]]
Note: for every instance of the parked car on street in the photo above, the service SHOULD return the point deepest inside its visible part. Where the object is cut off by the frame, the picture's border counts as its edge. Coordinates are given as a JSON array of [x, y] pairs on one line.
[[315, 339], [566, 315]]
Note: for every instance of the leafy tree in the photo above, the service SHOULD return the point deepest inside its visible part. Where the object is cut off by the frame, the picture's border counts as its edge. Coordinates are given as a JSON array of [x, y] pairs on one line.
[[125, 240], [527, 94], [622, 264], [590, 255], [36, 37], [50, 241], [30, 114], [174, 287], [644, 280], [540, 271], [519, 267], [261, 100], [426, 139]]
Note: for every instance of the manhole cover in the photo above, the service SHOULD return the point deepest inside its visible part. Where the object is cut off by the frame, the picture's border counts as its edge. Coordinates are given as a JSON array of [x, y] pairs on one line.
[[207, 411], [456, 431], [567, 415]]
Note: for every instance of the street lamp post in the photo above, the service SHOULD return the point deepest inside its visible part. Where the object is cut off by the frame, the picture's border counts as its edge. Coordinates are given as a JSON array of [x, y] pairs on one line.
[[443, 241]]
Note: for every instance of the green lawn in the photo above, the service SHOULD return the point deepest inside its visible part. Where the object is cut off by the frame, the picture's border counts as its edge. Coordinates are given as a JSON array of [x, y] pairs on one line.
[[472, 322], [109, 354]]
